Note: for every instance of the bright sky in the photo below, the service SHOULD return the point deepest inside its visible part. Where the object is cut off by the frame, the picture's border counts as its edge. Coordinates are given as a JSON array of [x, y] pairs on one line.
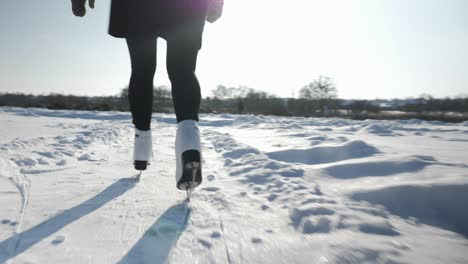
[[371, 48]]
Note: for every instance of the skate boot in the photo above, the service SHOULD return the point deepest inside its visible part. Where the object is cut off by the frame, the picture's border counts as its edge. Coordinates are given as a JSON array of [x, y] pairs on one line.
[[142, 149], [188, 155]]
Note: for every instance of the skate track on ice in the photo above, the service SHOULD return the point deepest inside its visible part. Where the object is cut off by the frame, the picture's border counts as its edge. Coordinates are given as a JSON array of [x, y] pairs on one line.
[[275, 190]]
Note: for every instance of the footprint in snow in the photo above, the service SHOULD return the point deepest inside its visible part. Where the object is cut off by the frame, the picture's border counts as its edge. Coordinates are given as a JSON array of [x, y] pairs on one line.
[[319, 225], [215, 234], [210, 189], [205, 243], [61, 163], [84, 157], [256, 240], [58, 240]]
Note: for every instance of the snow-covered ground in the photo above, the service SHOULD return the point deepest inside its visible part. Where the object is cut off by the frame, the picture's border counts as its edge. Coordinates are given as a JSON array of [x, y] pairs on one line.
[[275, 190]]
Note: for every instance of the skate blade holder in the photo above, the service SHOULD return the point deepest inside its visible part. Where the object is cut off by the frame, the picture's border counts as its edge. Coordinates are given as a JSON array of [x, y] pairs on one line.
[[192, 166], [141, 165]]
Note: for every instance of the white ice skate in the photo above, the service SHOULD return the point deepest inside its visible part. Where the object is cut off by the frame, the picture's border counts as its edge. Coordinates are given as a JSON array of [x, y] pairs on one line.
[[142, 149], [188, 156]]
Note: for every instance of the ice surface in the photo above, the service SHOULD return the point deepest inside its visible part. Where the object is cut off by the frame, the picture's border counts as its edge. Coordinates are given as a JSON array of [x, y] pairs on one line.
[[275, 190]]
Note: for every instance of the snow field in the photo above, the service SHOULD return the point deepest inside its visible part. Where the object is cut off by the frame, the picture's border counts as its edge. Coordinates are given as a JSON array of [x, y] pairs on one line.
[[275, 190]]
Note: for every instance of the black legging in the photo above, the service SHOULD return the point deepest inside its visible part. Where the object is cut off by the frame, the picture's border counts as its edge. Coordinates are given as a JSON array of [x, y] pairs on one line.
[[182, 50]]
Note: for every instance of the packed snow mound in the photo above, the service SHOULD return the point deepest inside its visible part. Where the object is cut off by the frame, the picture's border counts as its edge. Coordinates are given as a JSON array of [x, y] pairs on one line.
[[379, 130], [326, 154], [437, 205], [378, 168]]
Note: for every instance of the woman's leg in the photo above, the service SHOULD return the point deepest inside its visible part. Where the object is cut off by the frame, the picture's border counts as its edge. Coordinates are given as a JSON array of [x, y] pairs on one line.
[[182, 51], [140, 90]]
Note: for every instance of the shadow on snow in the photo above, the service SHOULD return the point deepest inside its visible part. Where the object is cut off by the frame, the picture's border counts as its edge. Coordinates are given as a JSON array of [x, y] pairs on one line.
[[156, 244], [17, 244]]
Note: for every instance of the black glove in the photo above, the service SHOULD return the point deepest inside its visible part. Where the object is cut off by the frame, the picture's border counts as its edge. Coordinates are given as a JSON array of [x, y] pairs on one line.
[[79, 7], [215, 10]]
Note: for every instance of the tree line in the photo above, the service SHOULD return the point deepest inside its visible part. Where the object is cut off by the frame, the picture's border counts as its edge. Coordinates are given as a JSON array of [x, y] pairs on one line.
[[316, 99]]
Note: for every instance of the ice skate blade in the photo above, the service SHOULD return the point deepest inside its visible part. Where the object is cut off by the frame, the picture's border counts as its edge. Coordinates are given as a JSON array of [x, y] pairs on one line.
[[138, 176], [189, 185], [191, 170], [191, 176], [194, 166]]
